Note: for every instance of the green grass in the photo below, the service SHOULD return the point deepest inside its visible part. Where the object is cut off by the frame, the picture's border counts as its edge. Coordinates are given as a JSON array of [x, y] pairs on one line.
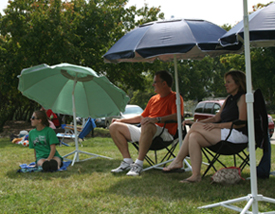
[[89, 187]]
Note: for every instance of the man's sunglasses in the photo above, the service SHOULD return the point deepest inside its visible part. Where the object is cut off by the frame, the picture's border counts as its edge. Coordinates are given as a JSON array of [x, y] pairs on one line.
[[34, 118]]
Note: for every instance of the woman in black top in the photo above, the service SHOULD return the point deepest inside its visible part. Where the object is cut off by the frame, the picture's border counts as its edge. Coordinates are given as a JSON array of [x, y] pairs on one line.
[[212, 130]]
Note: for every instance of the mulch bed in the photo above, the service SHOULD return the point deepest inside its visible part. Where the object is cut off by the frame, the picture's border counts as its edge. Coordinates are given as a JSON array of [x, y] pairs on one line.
[[14, 127]]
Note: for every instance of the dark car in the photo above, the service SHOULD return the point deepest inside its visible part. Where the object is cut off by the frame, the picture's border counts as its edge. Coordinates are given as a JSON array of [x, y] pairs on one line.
[[209, 108], [206, 109]]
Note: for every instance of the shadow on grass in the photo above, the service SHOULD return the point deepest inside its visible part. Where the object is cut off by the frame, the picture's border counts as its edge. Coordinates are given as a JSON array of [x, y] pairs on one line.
[[96, 165], [154, 183]]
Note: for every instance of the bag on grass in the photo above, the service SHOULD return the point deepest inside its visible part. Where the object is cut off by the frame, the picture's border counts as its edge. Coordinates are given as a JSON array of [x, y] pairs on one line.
[[229, 175]]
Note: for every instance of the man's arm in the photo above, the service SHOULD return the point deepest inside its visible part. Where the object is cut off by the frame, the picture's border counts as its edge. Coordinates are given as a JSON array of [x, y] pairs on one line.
[[165, 118], [158, 119], [132, 120]]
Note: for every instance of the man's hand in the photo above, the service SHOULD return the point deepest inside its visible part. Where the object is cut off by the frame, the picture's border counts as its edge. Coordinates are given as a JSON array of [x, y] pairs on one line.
[[116, 120]]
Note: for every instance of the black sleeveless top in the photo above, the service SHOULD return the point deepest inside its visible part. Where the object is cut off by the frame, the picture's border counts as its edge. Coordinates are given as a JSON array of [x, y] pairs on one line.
[[231, 111]]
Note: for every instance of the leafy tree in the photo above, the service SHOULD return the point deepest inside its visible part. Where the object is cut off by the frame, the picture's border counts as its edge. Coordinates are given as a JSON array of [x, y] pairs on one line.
[[52, 31]]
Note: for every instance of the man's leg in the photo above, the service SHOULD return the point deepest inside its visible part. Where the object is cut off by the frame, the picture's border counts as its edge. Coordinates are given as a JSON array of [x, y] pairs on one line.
[[148, 131], [120, 135]]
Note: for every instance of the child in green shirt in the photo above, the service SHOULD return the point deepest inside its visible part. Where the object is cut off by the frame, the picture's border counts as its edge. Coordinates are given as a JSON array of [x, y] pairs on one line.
[[43, 140]]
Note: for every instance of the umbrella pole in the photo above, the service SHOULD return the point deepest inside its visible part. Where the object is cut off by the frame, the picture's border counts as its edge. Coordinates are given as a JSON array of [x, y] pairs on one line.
[[76, 156], [178, 103], [77, 151], [253, 198]]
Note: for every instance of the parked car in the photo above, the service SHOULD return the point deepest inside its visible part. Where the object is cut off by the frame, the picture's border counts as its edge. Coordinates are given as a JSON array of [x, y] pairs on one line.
[[187, 114], [209, 108], [206, 109], [130, 111], [270, 125], [100, 122]]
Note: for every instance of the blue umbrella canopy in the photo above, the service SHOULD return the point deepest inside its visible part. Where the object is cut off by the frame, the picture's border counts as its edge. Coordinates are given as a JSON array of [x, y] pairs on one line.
[[261, 29], [185, 38]]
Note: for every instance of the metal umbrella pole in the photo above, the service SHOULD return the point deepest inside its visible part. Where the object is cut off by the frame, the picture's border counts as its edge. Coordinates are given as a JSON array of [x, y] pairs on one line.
[[178, 103], [253, 198], [77, 151]]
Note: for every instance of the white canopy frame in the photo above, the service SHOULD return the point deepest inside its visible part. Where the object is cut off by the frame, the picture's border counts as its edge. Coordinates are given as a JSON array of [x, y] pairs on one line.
[[253, 198]]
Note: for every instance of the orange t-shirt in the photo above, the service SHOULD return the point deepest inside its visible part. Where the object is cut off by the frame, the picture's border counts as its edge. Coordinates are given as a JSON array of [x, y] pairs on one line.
[[163, 106]]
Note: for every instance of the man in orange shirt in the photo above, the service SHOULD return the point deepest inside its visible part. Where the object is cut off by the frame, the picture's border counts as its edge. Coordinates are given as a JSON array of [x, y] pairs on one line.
[[160, 108]]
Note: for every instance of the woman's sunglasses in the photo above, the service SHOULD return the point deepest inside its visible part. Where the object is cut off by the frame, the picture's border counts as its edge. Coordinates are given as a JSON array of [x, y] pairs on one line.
[[34, 118]]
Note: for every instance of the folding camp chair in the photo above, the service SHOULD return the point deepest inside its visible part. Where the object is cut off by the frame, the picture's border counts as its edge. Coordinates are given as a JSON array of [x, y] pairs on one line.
[[213, 153], [159, 144]]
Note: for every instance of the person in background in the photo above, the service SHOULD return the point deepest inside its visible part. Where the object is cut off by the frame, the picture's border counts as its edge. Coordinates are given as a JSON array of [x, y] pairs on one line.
[[160, 108], [52, 116], [210, 131], [43, 140]]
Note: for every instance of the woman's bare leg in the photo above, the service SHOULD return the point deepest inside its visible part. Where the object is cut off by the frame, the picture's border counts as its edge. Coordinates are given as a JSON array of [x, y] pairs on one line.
[[200, 137]]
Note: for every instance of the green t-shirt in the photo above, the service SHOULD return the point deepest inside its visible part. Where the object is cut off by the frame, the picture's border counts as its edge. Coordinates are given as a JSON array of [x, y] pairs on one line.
[[41, 141]]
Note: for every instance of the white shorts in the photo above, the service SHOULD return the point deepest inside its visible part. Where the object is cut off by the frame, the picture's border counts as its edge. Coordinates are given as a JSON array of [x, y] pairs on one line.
[[136, 131], [235, 136]]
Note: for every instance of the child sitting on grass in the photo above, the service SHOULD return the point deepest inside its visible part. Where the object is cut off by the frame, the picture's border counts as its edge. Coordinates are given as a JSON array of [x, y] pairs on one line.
[[43, 140]]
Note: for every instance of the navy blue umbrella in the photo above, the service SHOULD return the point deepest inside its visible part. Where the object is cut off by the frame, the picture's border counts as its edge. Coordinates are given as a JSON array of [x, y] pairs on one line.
[[261, 29], [167, 41], [185, 38]]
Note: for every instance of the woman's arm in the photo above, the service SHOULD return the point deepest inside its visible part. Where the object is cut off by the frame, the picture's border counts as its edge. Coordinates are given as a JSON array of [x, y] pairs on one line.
[[215, 119], [242, 110], [242, 116]]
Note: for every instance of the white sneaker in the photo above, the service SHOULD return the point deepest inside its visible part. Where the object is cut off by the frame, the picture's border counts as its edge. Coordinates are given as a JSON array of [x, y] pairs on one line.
[[136, 169], [123, 167]]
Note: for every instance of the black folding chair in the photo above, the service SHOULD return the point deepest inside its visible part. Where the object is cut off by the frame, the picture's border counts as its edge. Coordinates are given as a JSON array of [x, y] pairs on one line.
[[213, 153], [159, 144]]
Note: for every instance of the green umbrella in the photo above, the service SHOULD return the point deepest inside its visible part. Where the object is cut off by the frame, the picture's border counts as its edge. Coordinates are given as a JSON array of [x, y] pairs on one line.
[[73, 90]]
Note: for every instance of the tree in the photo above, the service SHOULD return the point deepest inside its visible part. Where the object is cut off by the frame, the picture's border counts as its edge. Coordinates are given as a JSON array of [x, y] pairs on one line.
[[52, 31]]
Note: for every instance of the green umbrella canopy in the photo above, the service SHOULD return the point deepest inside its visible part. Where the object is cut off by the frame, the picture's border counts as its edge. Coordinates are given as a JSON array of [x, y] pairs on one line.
[[54, 86]]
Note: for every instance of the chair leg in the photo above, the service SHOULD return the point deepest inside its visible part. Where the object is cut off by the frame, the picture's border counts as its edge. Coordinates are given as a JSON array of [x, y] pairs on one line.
[[147, 158], [245, 160], [156, 157]]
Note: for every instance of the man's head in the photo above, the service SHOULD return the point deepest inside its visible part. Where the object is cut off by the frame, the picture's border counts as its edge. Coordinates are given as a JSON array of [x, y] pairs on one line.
[[165, 76], [163, 81]]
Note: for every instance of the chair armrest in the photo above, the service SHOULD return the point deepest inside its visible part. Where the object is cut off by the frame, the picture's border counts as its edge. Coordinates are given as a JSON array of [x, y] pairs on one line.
[[235, 122], [239, 122]]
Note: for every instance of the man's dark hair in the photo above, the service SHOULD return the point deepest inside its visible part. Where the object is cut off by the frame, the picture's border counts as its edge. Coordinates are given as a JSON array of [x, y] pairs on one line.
[[165, 76]]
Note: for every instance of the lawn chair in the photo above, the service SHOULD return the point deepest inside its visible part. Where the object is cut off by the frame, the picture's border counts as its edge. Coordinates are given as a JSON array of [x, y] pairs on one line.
[[213, 153], [157, 145]]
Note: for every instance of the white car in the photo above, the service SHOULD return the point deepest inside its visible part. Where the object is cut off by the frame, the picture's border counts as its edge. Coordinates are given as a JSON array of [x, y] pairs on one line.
[[130, 111]]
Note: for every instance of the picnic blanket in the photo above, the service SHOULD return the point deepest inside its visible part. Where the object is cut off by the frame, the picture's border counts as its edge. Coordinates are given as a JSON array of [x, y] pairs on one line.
[[32, 168]]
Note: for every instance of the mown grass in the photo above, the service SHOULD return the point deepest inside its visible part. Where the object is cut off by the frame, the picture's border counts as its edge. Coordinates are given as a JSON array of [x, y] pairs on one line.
[[89, 187]]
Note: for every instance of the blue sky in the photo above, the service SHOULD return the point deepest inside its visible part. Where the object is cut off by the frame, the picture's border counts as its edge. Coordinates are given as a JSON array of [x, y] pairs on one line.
[[217, 11]]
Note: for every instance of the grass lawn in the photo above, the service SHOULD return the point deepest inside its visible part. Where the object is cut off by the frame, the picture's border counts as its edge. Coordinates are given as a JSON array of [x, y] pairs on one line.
[[89, 187]]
